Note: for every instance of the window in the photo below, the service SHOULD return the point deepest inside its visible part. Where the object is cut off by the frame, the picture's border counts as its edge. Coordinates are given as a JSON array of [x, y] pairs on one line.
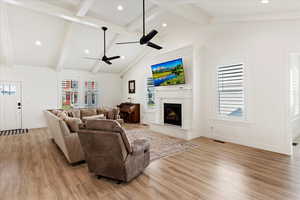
[[294, 91], [91, 93], [231, 102], [150, 92], [8, 89], [70, 94]]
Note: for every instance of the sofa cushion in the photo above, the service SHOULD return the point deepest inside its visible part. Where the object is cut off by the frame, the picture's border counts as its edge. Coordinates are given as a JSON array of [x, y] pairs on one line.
[[88, 112], [110, 115], [109, 125], [102, 111], [113, 114], [73, 123], [94, 117]]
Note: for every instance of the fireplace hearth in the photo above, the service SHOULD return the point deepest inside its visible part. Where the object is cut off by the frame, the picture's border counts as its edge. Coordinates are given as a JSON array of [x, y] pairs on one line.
[[173, 114]]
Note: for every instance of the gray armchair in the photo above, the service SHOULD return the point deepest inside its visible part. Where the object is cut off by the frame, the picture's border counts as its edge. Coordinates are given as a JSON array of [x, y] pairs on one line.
[[108, 152]]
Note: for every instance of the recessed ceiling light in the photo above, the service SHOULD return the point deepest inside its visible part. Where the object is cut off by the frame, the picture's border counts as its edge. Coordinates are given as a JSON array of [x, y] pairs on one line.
[[86, 51], [38, 43], [164, 24], [122, 57], [265, 1], [120, 7]]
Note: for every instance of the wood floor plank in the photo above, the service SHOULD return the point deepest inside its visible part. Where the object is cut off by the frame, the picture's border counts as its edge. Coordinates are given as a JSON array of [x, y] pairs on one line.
[[32, 168]]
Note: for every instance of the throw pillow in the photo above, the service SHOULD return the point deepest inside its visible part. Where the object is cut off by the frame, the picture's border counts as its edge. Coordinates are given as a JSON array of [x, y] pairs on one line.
[[116, 112], [75, 113], [102, 111], [73, 123], [88, 112], [95, 117], [63, 115], [110, 115]]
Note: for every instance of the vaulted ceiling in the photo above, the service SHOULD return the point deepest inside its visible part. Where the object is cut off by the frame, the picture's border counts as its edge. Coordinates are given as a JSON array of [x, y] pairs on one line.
[[59, 33]]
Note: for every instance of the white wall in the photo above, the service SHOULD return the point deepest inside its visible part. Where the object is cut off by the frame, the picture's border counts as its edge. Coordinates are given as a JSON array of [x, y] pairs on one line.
[[40, 89], [264, 48]]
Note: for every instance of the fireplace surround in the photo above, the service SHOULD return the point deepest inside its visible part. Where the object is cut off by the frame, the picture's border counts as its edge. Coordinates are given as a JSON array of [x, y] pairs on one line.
[[156, 118]]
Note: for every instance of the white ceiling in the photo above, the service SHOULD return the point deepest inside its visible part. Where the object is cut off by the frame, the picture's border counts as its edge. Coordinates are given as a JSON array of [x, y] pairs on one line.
[[220, 8], [26, 26], [107, 10]]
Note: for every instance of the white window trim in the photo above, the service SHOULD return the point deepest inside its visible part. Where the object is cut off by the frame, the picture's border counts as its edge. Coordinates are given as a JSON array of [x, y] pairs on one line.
[[245, 117], [293, 115]]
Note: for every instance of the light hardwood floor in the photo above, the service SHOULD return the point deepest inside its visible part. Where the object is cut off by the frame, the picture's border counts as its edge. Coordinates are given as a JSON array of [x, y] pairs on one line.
[[32, 168]]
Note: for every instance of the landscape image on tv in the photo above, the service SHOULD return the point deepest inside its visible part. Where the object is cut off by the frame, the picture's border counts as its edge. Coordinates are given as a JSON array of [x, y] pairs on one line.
[[168, 73]]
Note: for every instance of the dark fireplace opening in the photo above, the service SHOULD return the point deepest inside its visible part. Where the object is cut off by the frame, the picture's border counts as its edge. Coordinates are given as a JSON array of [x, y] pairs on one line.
[[173, 114]]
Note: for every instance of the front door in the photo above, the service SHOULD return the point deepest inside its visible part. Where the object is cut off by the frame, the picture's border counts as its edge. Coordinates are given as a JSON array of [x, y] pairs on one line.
[[10, 105]]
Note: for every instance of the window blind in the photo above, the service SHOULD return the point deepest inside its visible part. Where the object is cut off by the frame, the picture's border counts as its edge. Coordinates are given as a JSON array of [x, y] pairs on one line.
[[231, 90]]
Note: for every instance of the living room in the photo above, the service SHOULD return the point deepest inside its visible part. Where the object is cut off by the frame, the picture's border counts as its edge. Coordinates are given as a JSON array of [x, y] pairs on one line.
[[208, 93]]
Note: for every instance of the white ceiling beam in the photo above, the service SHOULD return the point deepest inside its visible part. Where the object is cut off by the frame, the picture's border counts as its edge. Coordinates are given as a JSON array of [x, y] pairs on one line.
[[257, 17], [6, 45], [65, 14], [64, 47], [151, 14], [84, 7], [189, 12]]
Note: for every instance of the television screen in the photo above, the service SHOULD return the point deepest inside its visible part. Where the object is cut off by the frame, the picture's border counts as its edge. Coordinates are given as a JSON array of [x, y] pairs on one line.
[[168, 73]]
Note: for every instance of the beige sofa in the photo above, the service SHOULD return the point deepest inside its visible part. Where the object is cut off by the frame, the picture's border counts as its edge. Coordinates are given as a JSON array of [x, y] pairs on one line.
[[66, 139]]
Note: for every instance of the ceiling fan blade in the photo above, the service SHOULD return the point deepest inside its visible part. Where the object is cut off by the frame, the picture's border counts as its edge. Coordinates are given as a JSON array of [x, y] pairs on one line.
[[113, 58], [148, 37], [107, 62], [155, 46], [127, 42], [91, 58]]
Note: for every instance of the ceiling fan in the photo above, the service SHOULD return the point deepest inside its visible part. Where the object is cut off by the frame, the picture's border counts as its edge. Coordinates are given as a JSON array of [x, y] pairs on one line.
[[104, 58], [145, 39]]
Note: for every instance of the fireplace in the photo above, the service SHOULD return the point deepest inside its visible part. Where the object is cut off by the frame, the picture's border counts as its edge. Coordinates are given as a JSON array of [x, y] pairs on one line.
[[173, 114]]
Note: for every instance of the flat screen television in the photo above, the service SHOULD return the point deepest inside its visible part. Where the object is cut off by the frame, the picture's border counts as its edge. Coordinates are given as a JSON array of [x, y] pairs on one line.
[[168, 73]]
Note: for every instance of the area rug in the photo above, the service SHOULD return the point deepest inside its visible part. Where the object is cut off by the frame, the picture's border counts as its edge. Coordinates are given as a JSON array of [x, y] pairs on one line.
[[160, 145]]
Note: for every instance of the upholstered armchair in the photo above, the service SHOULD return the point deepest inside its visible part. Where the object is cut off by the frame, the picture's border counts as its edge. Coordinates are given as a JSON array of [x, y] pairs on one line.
[[108, 152]]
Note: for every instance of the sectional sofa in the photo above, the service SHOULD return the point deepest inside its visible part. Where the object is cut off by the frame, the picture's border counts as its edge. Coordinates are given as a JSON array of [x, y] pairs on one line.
[[64, 127]]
